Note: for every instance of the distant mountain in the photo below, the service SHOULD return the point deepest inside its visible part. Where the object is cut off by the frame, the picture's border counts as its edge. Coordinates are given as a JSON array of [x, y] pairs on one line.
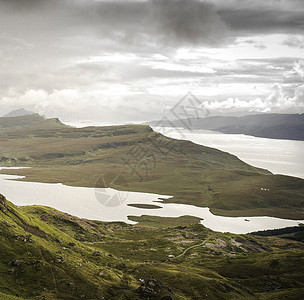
[[18, 113], [29, 121], [275, 126]]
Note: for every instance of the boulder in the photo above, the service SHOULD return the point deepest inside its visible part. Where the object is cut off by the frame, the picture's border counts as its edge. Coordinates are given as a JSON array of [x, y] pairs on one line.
[[153, 287]]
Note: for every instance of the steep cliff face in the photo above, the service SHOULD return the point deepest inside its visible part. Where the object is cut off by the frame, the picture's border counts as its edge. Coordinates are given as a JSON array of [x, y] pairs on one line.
[[3, 203]]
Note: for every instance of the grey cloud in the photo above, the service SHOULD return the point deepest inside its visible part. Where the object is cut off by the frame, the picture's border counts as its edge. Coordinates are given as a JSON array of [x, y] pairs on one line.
[[277, 102], [21, 4], [271, 16], [278, 61], [45, 46], [161, 22], [44, 37], [279, 99], [295, 42], [298, 68], [185, 21], [282, 5], [268, 21], [147, 23]]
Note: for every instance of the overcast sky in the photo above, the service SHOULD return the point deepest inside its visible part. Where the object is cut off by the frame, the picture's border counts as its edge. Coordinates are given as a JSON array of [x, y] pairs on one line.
[[134, 59]]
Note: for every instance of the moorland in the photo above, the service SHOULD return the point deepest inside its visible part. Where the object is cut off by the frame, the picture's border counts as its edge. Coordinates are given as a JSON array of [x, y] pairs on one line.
[[135, 157]]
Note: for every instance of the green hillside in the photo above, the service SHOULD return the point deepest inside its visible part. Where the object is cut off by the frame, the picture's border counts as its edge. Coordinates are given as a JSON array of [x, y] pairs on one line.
[[136, 158], [46, 254]]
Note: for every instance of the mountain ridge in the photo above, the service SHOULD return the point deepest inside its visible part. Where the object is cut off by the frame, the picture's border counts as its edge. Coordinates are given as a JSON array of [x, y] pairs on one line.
[[275, 126], [29, 121], [18, 113]]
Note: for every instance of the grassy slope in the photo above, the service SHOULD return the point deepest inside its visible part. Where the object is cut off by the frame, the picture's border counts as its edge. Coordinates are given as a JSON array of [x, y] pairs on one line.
[[46, 253], [295, 233], [142, 160]]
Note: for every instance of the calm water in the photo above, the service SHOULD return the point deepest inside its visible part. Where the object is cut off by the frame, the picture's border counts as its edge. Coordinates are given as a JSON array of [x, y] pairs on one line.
[[278, 156], [99, 204]]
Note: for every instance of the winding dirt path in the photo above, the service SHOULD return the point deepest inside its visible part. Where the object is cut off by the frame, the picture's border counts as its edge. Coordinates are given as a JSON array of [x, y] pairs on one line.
[[191, 247]]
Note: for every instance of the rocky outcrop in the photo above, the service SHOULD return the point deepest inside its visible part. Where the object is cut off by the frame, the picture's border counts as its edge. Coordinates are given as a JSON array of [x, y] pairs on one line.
[[153, 287], [3, 204]]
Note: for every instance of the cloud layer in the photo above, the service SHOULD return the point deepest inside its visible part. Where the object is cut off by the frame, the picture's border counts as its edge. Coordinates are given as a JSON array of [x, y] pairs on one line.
[[70, 58], [151, 23]]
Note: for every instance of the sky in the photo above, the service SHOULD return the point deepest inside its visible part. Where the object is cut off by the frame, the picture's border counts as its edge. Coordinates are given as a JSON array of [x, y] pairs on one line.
[[133, 60]]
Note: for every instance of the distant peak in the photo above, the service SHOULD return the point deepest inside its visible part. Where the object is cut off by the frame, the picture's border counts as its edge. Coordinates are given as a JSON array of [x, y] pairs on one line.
[[18, 113]]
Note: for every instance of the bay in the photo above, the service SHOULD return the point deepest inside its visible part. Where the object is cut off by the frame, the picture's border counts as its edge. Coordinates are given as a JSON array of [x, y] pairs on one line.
[[106, 204]]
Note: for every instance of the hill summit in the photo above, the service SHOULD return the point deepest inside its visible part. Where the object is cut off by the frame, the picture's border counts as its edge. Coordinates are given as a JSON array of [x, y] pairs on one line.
[[30, 121], [19, 113]]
